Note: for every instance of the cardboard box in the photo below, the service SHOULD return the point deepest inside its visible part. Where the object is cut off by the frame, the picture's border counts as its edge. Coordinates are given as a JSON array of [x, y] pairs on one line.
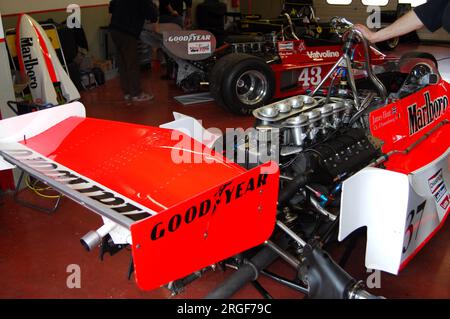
[[104, 65]]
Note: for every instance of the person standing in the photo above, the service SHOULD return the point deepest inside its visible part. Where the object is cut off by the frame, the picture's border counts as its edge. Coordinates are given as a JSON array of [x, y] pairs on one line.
[[171, 11], [127, 21]]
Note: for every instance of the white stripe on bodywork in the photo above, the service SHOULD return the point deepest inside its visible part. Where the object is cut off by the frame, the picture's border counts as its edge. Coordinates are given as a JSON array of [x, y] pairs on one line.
[[52, 169], [15, 129]]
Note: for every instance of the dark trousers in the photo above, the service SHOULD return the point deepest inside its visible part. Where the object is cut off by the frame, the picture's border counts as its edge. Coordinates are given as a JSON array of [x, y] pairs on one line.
[[128, 62], [170, 19]]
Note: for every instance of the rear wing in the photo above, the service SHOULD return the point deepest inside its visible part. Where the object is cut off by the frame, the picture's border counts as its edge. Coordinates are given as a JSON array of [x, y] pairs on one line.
[[233, 216]]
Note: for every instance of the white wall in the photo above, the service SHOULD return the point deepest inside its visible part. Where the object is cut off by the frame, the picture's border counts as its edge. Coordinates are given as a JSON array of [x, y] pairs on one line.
[[23, 6], [356, 12], [92, 18]]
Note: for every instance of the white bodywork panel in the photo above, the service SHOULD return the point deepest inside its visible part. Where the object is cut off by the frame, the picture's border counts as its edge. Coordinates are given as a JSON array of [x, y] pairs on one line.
[[44, 92], [193, 128], [22, 127], [401, 212], [119, 234], [32, 124]]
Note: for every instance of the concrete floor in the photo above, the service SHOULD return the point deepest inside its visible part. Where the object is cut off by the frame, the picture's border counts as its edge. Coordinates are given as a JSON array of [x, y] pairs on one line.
[[36, 248]]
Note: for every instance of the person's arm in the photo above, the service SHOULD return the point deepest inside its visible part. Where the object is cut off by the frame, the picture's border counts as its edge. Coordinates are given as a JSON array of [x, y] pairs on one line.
[[406, 24], [187, 18], [150, 11], [168, 8]]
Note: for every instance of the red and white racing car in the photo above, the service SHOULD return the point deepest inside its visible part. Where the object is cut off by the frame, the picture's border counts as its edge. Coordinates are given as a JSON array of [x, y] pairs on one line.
[[315, 168]]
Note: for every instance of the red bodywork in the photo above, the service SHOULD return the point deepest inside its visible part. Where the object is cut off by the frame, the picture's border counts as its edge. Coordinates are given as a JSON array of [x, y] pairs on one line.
[[393, 125], [399, 125], [202, 212], [303, 67]]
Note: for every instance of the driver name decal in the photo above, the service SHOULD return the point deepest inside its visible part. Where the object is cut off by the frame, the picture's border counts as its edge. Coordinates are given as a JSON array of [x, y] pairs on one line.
[[421, 117]]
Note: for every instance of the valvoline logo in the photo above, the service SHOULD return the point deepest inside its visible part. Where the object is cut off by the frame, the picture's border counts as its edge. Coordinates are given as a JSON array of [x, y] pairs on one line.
[[328, 54]]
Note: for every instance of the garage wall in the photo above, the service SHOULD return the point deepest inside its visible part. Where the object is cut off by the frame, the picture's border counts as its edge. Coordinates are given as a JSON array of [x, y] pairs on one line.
[[14, 7], [92, 18], [356, 12], [266, 8]]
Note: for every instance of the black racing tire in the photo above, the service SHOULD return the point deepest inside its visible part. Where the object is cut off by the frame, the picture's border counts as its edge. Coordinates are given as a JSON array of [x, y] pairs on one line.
[[215, 79], [419, 55], [243, 38], [246, 83]]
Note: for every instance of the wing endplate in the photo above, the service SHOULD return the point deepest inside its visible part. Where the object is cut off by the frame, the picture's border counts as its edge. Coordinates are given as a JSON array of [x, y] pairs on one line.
[[228, 219]]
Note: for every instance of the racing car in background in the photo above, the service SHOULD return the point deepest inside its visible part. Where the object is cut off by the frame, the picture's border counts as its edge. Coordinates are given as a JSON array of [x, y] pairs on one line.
[[314, 169], [249, 71]]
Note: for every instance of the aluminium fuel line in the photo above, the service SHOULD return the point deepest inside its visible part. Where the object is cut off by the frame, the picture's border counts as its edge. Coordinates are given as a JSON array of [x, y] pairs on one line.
[[385, 157]]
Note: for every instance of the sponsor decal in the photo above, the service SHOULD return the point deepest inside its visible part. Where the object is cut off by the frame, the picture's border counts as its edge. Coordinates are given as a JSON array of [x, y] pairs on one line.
[[323, 55], [29, 62], [199, 48], [446, 202], [225, 195], [439, 190], [423, 116], [301, 46], [286, 46], [80, 184], [193, 37]]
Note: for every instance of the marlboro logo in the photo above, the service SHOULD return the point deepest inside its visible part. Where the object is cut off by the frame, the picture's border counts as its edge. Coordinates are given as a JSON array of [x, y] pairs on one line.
[[28, 61], [421, 117]]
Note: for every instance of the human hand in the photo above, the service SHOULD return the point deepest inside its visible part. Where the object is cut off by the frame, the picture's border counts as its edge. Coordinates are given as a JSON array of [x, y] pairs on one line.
[[174, 13], [187, 22], [155, 27], [366, 32]]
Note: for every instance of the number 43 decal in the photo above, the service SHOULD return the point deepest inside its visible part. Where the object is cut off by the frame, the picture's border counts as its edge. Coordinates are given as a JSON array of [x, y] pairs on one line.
[[310, 76], [413, 225]]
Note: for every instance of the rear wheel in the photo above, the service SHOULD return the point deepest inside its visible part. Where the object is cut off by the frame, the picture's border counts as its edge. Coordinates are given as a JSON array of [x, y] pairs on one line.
[[215, 79], [243, 83], [418, 55]]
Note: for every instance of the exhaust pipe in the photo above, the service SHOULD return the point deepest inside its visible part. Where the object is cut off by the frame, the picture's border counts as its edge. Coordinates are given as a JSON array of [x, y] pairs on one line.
[[94, 238]]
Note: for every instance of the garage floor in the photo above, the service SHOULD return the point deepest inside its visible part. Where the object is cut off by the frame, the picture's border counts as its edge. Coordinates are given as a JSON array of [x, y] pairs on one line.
[[36, 248]]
